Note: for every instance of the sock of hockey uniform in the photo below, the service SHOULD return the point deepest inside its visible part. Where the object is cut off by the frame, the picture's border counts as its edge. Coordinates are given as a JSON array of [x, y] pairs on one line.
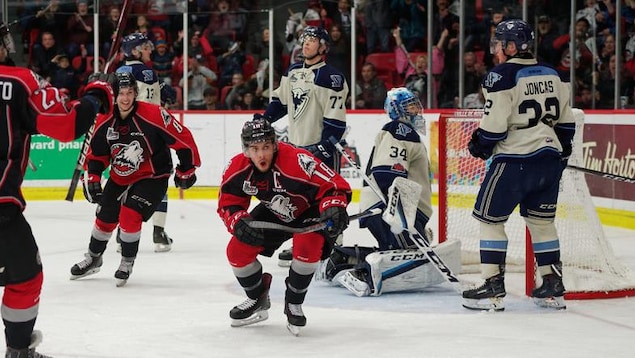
[[300, 276], [20, 305], [250, 279]]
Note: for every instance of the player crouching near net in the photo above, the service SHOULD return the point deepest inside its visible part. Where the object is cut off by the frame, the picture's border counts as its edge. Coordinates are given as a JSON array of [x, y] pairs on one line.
[[400, 170], [135, 141], [295, 189]]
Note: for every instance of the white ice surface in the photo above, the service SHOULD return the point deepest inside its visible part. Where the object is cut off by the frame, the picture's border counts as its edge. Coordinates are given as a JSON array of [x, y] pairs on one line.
[[176, 304]]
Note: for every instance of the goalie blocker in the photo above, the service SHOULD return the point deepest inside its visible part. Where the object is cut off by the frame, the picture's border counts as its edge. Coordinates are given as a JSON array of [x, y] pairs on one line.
[[367, 272]]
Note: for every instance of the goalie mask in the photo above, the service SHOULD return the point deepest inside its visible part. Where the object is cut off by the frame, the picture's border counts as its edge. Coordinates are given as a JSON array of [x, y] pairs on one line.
[[257, 131], [6, 40], [404, 106]]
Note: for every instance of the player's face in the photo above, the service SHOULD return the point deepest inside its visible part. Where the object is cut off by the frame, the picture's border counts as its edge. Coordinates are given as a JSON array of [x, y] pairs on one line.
[[146, 51], [125, 99], [261, 154], [311, 47]]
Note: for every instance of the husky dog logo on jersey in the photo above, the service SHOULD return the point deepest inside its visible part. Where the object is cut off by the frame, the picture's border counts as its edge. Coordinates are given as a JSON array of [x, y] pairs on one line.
[[307, 164], [282, 207], [127, 158], [300, 88]]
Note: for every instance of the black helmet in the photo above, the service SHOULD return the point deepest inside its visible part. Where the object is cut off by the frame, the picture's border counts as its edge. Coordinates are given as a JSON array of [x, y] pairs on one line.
[[257, 131], [6, 40], [125, 79]]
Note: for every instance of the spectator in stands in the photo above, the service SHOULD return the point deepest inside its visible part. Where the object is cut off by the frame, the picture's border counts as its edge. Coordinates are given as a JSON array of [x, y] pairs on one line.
[[79, 30], [448, 45], [238, 89], [5, 59], [484, 32], [210, 97], [259, 49], [143, 27], [162, 59], [316, 15], [371, 90], [342, 17], [474, 100], [377, 24], [200, 48], [412, 23], [442, 16], [606, 85], [224, 26], [545, 36], [606, 52], [229, 63], [198, 79], [294, 47], [51, 19], [417, 80], [65, 76], [584, 98], [339, 54], [107, 29], [43, 54], [474, 70]]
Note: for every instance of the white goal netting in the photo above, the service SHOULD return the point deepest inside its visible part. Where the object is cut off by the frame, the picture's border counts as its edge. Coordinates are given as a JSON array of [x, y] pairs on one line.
[[590, 267]]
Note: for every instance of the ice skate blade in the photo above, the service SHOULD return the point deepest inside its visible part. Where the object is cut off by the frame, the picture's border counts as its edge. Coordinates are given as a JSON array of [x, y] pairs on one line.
[[88, 273], [254, 318], [494, 304], [284, 263], [162, 247], [294, 330], [551, 302], [120, 282]]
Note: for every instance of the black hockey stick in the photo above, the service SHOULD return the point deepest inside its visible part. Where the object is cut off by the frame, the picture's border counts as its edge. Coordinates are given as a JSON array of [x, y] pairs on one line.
[[603, 174], [310, 228], [114, 49], [419, 240]]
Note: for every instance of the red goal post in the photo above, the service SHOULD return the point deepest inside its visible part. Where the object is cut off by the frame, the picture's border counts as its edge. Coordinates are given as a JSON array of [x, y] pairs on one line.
[[590, 268]]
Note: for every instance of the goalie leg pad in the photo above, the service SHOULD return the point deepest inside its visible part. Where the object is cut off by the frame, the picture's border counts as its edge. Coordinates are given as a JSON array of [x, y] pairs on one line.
[[410, 269], [401, 209]]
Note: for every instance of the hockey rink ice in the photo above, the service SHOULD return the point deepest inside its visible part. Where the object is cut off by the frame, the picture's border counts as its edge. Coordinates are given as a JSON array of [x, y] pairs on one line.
[[177, 304]]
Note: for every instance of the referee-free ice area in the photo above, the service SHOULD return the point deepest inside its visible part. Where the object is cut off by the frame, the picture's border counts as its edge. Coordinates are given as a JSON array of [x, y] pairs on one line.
[[177, 304]]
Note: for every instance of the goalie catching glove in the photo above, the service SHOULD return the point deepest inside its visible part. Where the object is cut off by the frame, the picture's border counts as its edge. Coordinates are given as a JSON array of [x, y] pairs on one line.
[[333, 212], [92, 188], [184, 179], [238, 224]]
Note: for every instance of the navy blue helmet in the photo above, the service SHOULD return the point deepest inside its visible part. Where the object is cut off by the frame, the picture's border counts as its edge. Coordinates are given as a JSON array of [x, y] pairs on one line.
[[134, 41], [517, 31], [318, 32]]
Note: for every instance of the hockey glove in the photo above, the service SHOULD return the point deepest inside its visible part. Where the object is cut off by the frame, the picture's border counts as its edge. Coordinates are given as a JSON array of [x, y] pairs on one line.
[[476, 149], [239, 222], [101, 89], [333, 212], [322, 151], [184, 179], [92, 188]]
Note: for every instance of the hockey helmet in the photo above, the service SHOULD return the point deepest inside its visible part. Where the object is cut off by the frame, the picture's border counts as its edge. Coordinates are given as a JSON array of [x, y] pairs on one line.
[[6, 40], [318, 32], [125, 79], [134, 41], [257, 131], [517, 31], [404, 106]]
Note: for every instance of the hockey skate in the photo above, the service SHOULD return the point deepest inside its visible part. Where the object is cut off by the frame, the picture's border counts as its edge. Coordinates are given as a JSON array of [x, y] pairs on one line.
[[123, 272], [88, 266], [36, 339], [295, 317], [285, 257], [551, 293], [162, 242], [253, 310], [493, 289]]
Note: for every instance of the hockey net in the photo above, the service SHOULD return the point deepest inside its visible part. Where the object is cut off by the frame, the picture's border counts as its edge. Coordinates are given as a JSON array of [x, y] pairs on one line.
[[590, 268]]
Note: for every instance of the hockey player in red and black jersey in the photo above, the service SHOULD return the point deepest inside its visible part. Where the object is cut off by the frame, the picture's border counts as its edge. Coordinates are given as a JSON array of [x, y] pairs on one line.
[[135, 141], [137, 49], [313, 94], [29, 105], [527, 129], [294, 188]]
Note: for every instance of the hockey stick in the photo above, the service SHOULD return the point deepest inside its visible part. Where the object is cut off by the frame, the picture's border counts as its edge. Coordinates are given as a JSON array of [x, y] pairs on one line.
[[603, 174], [310, 228], [114, 49], [415, 235]]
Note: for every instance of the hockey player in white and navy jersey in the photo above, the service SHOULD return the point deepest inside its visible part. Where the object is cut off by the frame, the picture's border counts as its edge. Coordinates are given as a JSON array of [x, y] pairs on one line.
[[398, 156], [137, 49], [526, 131], [313, 95]]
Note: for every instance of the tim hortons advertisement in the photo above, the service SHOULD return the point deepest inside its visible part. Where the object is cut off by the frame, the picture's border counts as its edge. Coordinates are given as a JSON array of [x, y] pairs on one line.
[[610, 149]]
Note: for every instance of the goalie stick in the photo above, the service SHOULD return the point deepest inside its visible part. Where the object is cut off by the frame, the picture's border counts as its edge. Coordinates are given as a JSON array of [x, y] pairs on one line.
[[415, 235], [603, 174], [310, 228], [112, 54]]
